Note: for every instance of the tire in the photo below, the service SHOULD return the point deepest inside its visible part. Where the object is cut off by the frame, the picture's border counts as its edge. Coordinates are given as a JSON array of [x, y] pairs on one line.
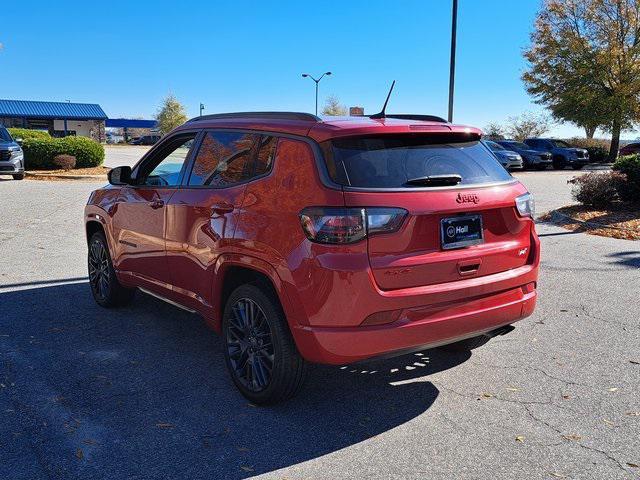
[[541, 166], [559, 163], [18, 176], [467, 345], [105, 287], [256, 334]]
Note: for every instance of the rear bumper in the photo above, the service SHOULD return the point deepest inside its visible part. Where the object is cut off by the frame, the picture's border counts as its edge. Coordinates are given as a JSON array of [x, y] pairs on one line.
[[423, 326]]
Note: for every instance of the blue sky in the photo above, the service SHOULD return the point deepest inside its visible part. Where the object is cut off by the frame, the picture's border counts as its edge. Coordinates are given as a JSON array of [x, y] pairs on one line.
[[248, 55]]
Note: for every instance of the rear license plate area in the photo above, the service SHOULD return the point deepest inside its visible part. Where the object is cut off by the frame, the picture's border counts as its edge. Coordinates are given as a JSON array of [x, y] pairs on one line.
[[460, 232]]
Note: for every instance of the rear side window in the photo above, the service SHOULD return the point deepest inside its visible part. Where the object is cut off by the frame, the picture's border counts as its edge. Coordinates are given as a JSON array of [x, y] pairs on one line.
[[223, 159], [390, 161]]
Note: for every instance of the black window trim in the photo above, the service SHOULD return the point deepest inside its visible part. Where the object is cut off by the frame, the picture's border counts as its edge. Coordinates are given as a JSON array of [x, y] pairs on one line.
[[158, 150], [260, 134]]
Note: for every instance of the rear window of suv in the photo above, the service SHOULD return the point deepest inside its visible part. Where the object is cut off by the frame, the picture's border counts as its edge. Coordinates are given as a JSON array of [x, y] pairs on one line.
[[389, 161]]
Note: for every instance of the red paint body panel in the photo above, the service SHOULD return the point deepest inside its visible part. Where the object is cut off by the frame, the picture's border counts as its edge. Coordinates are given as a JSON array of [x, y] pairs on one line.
[[344, 303]]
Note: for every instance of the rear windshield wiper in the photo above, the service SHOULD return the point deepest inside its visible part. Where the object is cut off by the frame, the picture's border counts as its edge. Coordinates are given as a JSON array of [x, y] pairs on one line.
[[448, 179]]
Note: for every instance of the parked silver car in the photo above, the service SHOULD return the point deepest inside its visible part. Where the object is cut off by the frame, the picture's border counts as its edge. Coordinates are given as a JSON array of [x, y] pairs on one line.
[[509, 159], [11, 156]]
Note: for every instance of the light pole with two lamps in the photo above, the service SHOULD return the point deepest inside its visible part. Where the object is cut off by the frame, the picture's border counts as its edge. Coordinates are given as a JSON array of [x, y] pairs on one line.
[[317, 80]]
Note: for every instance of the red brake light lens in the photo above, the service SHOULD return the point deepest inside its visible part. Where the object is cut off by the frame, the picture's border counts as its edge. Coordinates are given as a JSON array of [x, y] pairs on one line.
[[335, 225]]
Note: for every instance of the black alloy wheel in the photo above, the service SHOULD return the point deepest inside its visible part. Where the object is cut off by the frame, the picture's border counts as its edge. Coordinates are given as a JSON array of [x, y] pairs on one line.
[[250, 345]]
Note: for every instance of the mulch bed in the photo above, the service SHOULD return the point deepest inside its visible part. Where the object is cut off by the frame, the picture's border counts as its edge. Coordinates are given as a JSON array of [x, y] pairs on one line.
[[620, 221], [56, 175]]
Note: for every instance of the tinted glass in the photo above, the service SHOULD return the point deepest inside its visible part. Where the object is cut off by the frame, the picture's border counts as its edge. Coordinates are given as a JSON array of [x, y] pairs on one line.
[[266, 155], [224, 158], [167, 171], [494, 145], [4, 135], [389, 161], [561, 144], [521, 146]]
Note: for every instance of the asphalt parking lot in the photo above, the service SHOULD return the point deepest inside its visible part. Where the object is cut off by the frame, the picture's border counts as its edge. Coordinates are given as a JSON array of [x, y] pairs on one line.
[[141, 392]]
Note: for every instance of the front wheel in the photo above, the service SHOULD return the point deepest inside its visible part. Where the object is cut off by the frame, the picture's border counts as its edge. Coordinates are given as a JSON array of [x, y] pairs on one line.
[[559, 163], [105, 287], [18, 176], [260, 353]]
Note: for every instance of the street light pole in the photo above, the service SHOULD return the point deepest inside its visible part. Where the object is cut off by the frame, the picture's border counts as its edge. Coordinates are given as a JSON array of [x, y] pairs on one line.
[[201, 108], [452, 66], [317, 80]]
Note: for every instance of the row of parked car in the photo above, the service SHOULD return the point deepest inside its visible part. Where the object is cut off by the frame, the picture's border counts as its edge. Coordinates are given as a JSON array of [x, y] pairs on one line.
[[538, 153]]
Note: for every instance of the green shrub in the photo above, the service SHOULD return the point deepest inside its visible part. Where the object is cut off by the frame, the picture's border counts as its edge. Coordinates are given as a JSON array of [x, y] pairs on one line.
[[598, 149], [39, 153], [25, 133], [598, 190], [87, 152], [629, 165]]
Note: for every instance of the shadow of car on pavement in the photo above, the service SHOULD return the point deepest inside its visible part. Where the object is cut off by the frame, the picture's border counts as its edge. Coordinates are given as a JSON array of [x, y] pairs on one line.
[[142, 391]]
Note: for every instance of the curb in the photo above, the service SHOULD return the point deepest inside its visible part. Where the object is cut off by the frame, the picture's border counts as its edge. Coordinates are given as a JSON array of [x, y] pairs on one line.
[[65, 177], [557, 217]]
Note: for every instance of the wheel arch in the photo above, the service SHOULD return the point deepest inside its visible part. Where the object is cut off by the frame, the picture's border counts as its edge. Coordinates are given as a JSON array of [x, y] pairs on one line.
[[92, 227], [233, 271]]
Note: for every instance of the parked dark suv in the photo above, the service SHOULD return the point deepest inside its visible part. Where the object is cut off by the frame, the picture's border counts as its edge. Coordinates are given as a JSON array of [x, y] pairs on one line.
[[302, 240], [11, 156], [564, 155], [145, 140], [532, 158]]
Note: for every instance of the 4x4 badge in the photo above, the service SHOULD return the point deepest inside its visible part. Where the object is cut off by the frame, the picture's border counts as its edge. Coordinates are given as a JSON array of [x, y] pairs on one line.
[[467, 198]]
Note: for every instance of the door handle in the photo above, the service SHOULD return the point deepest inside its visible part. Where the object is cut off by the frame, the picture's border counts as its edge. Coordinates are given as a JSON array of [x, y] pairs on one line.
[[155, 204], [221, 208]]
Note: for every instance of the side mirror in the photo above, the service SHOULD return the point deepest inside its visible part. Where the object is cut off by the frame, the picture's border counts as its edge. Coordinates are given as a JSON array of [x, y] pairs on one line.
[[119, 176], [19, 141]]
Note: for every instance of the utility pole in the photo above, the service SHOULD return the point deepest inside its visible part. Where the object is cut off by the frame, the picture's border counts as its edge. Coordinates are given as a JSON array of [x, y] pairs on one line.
[[452, 66]]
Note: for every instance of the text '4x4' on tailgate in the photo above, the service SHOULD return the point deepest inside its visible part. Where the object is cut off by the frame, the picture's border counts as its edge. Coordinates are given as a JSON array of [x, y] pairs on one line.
[[414, 255]]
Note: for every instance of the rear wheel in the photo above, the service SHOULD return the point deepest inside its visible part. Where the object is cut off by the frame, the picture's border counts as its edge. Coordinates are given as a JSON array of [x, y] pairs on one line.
[[260, 353], [468, 344], [105, 287], [18, 176]]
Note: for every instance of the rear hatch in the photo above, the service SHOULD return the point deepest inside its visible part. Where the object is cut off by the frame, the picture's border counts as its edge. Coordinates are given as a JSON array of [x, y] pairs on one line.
[[461, 220]]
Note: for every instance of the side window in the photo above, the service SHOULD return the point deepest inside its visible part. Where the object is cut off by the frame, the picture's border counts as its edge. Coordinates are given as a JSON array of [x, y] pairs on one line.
[[224, 158], [164, 169], [266, 155]]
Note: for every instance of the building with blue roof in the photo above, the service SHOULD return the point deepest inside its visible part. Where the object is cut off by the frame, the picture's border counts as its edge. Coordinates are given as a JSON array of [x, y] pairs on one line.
[[60, 119]]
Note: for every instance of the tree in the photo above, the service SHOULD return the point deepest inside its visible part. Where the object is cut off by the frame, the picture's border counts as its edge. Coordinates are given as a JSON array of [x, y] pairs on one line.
[[170, 115], [494, 131], [585, 63], [333, 107], [527, 125]]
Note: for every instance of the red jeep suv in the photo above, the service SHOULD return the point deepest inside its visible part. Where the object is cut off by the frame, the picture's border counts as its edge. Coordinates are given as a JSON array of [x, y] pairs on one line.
[[307, 240]]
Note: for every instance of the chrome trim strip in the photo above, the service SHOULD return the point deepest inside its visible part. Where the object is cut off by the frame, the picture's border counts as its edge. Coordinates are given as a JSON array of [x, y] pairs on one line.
[[164, 299]]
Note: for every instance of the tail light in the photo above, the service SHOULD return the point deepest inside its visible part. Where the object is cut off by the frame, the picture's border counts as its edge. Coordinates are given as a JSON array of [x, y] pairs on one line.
[[336, 225], [526, 205]]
